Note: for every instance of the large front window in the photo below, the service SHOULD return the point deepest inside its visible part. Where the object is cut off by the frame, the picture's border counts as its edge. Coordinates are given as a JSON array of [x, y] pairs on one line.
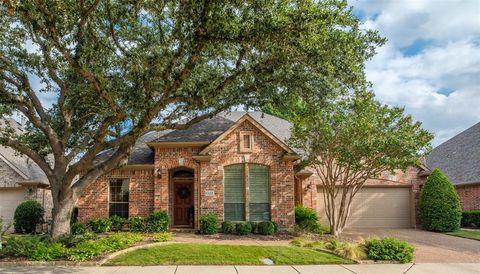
[[118, 203], [252, 190]]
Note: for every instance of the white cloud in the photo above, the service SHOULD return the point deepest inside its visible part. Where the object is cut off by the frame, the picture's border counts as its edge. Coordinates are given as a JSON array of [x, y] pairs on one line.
[[449, 62]]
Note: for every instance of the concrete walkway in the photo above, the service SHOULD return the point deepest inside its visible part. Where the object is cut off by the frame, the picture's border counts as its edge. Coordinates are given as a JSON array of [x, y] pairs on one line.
[[420, 268]]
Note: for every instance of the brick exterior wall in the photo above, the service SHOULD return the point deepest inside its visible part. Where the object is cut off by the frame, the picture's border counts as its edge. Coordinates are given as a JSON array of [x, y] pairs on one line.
[[152, 189], [94, 202], [409, 177], [469, 196]]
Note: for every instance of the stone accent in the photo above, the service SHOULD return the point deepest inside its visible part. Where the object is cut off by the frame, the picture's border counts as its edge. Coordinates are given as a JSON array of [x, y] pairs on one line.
[[469, 196], [9, 176]]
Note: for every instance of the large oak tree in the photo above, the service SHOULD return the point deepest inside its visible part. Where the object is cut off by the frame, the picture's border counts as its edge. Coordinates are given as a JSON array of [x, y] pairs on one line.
[[111, 67]]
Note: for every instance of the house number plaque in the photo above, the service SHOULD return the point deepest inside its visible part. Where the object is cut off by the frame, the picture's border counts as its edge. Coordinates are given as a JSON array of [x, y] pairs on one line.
[[209, 193]]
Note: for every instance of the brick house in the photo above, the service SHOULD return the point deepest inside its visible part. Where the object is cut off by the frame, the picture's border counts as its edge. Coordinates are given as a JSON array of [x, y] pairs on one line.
[[20, 179], [459, 159], [238, 166]]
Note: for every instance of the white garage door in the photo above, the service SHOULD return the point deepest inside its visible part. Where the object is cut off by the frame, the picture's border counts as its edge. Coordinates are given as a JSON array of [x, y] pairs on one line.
[[9, 200], [376, 207]]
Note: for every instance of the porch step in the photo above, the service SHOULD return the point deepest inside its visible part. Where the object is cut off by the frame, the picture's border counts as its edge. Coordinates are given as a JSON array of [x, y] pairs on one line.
[[182, 229]]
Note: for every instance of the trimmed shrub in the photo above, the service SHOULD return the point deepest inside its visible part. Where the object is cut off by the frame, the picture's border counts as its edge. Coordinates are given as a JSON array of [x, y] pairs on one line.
[[162, 237], [228, 227], [100, 225], [440, 208], [48, 252], [78, 229], [389, 249], [157, 221], [471, 218], [307, 219], [27, 216], [136, 224], [117, 223], [208, 224], [243, 228], [275, 227], [254, 226], [266, 228]]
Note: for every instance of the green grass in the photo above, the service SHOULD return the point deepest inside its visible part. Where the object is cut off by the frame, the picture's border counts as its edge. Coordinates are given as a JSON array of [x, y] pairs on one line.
[[207, 254], [464, 233]]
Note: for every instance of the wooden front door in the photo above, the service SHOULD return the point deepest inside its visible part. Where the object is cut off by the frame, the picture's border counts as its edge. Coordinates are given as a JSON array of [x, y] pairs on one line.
[[183, 201]]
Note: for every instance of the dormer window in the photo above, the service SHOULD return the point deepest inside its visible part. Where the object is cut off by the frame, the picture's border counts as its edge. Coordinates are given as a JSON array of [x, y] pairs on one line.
[[246, 141]]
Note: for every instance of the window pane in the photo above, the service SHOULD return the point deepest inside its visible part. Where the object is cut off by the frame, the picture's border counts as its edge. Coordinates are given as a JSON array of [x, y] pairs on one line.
[[234, 212], [120, 209], [259, 192], [119, 196], [234, 197], [246, 141], [259, 212]]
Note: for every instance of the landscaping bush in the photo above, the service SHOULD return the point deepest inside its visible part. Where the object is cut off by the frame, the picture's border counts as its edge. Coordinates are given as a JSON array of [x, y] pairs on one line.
[[92, 248], [471, 218], [70, 240], [157, 221], [27, 216], [136, 224], [162, 237], [275, 227], [351, 250], [22, 246], [307, 219], [78, 229], [254, 226], [100, 225], [48, 252], [243, 228], [389, 249], [266, 228], [439, 204], [208, 223], [228, 227], [117, 223]]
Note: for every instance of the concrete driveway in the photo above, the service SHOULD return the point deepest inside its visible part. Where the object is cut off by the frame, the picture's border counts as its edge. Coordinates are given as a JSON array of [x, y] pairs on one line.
[[430, 247]]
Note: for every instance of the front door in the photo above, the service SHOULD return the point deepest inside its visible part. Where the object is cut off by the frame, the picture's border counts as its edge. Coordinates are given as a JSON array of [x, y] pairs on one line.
[[183, 201]]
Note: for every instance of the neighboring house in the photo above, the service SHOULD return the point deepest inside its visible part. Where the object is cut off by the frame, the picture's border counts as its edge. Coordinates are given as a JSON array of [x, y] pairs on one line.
[[459, 159], [238, 166], [20, 179]]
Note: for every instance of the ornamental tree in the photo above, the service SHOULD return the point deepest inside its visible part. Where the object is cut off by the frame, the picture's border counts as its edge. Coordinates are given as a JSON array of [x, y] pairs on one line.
[[350, 139], [91, 75], [440, 208]]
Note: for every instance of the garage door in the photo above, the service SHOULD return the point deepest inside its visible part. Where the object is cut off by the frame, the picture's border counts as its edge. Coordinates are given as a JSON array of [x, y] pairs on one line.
[[372, 207], [9, 200]]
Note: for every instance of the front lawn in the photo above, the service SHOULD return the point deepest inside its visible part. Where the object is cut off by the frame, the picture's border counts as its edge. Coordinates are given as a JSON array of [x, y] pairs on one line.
[[208, 254], [467, 233]]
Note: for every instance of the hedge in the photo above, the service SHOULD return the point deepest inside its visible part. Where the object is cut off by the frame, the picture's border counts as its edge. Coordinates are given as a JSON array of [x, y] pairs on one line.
[[471, 218]]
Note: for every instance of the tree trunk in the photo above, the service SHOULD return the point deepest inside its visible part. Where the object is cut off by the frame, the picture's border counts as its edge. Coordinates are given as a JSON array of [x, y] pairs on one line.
[[62, 213]]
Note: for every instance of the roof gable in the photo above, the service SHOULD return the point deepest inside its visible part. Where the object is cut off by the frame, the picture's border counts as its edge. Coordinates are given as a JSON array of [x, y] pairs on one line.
[[459, 157], [247, 117]]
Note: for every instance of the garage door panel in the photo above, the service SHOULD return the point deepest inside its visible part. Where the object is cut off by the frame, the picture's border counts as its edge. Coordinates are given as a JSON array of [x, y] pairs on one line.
[[384, 207], [9, 200]]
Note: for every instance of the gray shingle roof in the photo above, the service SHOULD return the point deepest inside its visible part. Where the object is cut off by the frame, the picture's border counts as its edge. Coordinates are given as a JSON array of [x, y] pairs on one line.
[[25, 166], [459, 157], [205, 131]]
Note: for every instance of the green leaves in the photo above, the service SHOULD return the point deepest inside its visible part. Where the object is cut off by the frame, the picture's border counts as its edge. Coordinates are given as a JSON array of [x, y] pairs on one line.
[[440, 208], [357, 132]]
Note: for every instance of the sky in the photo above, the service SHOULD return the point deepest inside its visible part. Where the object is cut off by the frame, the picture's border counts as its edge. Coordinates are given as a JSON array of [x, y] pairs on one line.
[[431, 62]]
